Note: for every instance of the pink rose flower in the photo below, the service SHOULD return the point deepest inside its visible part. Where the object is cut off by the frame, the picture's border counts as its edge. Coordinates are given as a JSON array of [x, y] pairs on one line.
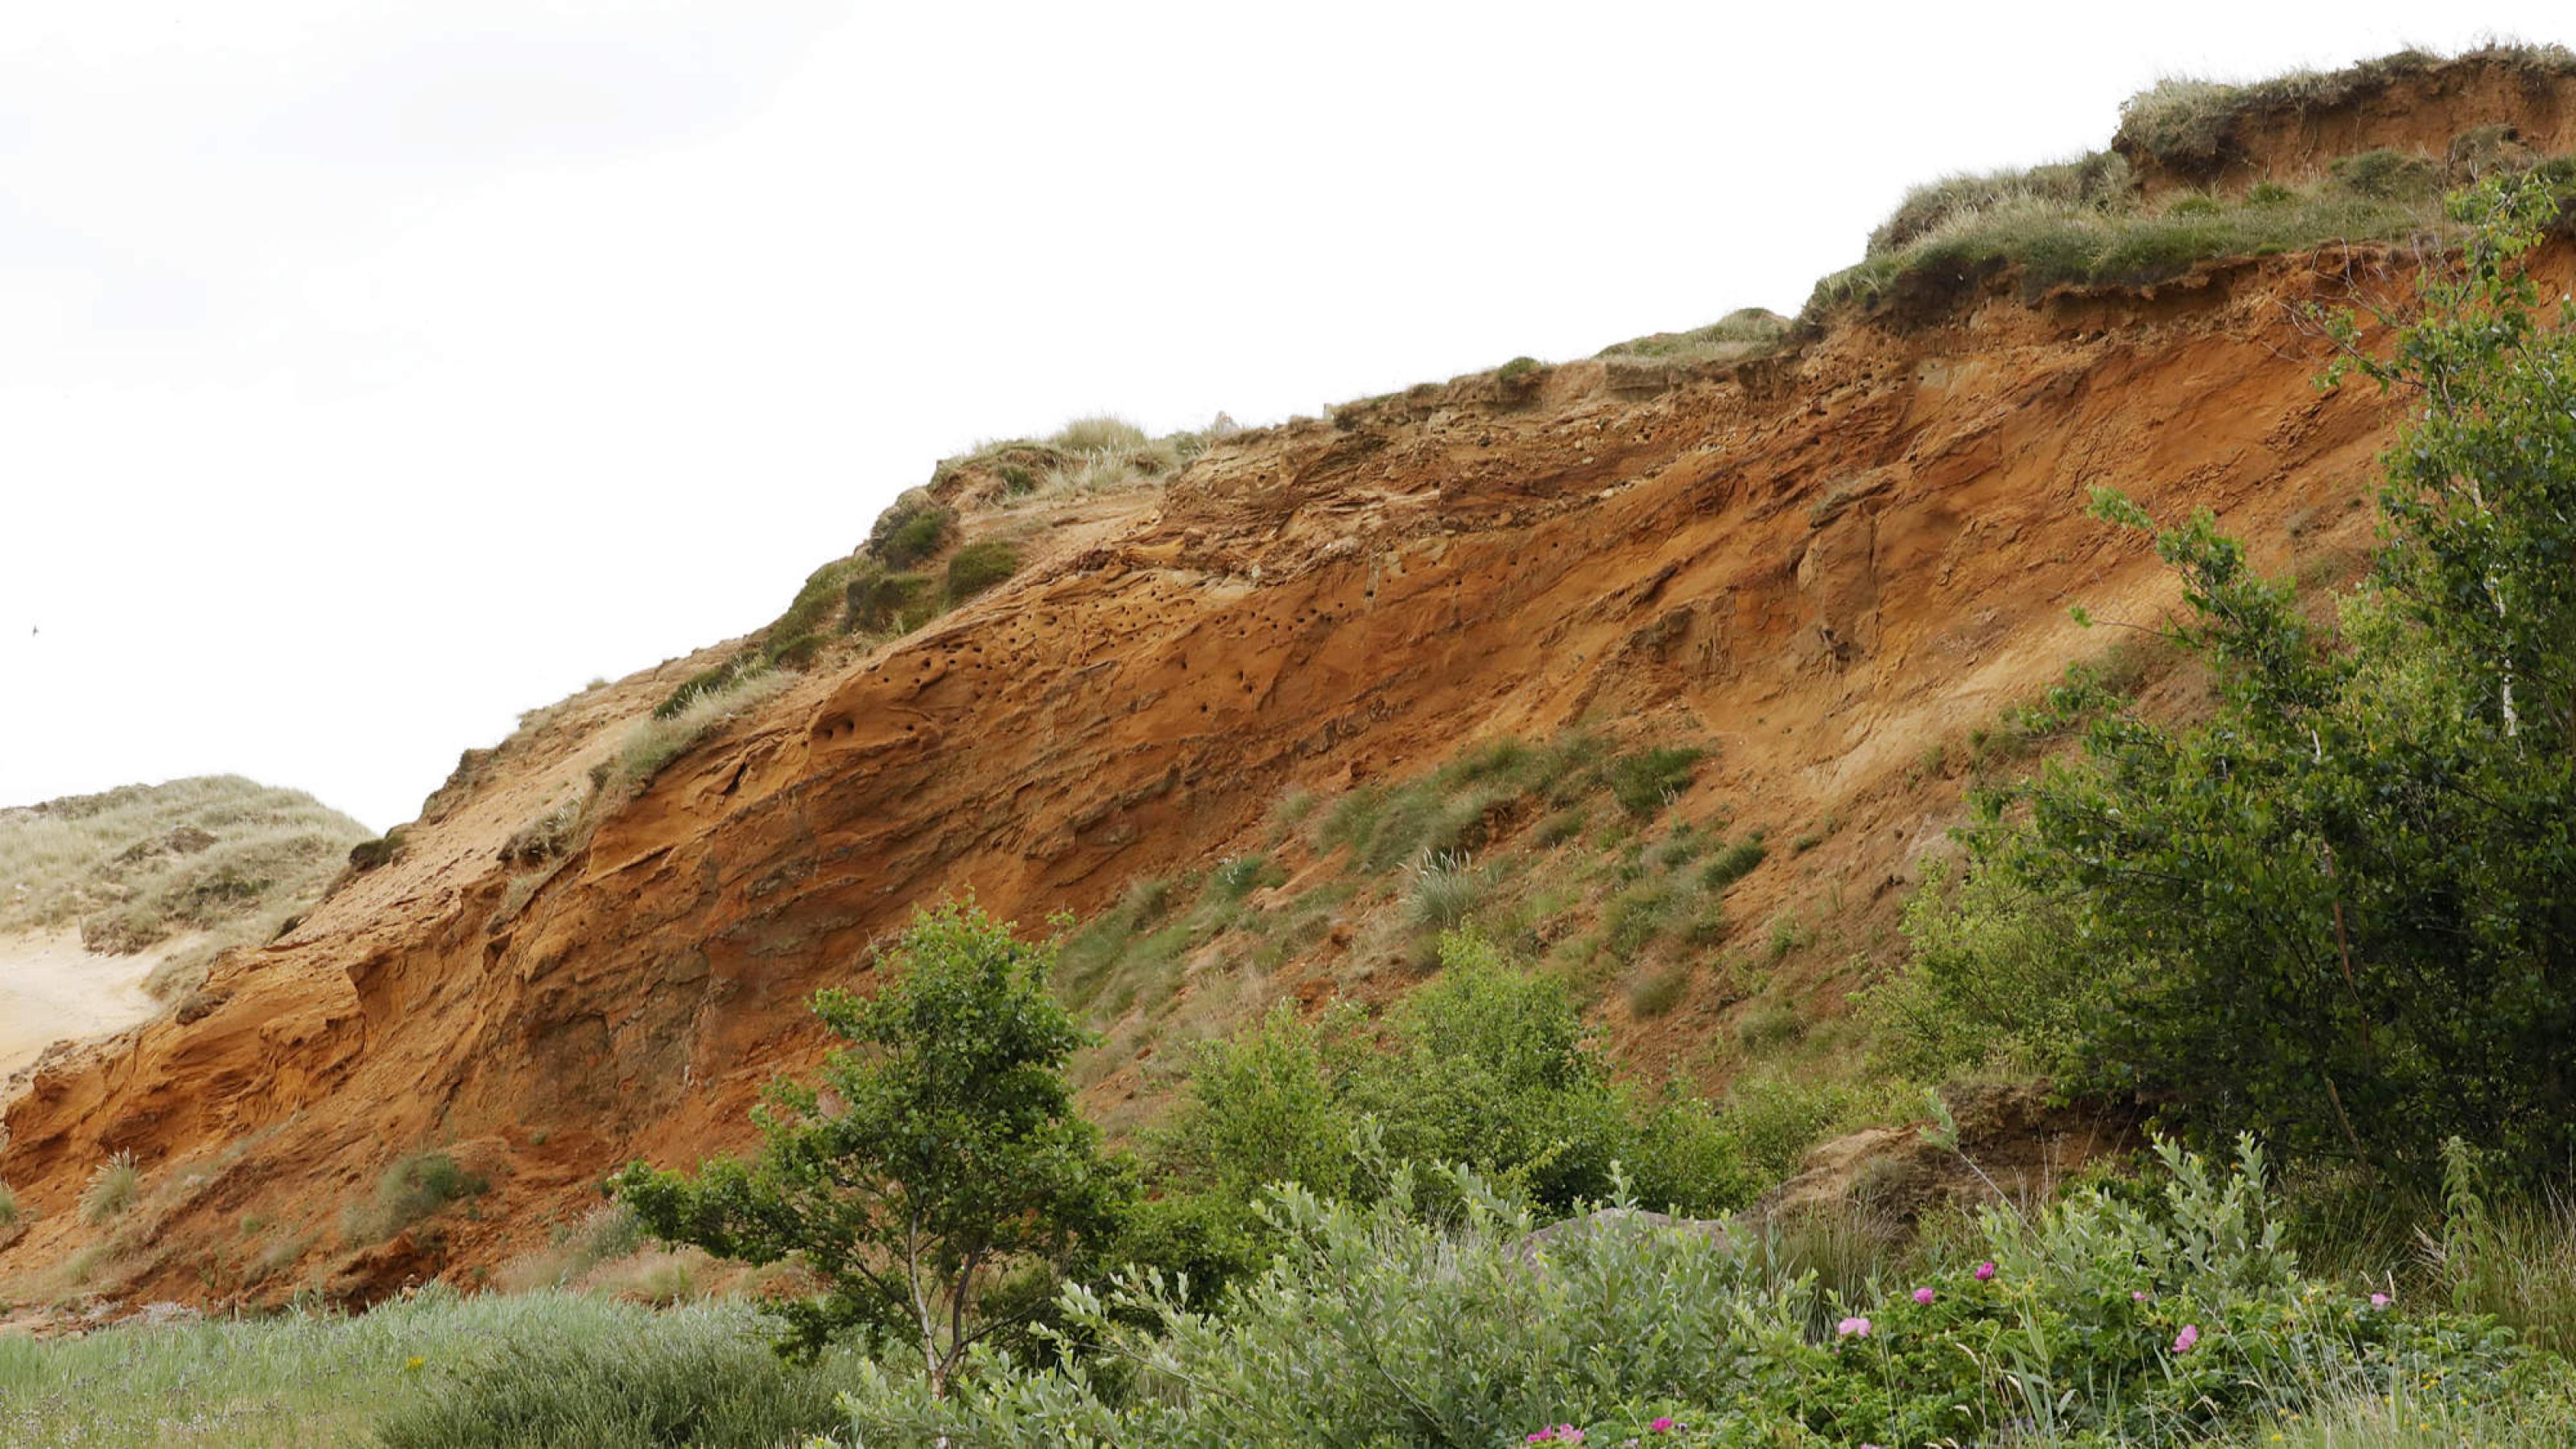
[[2379, 1300], [1985, 1272], [1662, 1426], [1923, 1296], [2184, 1340], [1853, 1328]]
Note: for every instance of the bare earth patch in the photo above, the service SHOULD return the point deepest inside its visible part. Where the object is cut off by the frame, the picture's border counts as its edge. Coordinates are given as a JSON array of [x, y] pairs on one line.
[[51, 990]]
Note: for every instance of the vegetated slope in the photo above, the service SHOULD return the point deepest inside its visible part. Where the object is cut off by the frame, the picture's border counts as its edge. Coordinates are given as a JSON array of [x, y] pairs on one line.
[[164, 877], [1828, 569]]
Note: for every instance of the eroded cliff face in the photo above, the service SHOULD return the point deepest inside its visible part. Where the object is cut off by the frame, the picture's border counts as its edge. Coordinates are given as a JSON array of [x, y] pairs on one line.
[[2463, 113], [1816, 563]]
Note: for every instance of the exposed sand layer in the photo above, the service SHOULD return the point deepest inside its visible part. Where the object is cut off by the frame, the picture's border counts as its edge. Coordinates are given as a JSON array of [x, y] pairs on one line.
[[51, 990]]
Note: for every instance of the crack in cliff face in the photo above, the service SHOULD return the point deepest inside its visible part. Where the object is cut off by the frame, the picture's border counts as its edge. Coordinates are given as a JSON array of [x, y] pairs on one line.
[[1817, 564]]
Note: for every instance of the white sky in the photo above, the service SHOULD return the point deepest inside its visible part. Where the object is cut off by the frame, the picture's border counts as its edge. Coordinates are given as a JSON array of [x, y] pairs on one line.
[[370, 372]]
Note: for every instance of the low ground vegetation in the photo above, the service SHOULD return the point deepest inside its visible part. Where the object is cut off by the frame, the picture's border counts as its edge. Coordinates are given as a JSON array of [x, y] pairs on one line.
[[435, 1371], [2166, 1317]]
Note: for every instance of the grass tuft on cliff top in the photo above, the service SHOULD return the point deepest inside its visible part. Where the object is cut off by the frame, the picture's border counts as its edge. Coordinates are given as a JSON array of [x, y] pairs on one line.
[[2184, 119]]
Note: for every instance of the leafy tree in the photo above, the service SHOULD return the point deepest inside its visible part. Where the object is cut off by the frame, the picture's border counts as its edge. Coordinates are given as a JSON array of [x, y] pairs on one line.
[[939, 1181], [2343, 909]]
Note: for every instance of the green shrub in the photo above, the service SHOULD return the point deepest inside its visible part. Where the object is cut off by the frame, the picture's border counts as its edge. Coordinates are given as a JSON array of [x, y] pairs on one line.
[[911, 531], [1995, 976], [114, 1186], [10, 1214], [1767, 1024], [371, 854], [1519, 372], [2318, 891], [1778, 1118], [2385, 175], [1265, 1106], [2107, 1318], [979, 566], [793, 652], [1484, 1065], [880, 601], [812, 607]]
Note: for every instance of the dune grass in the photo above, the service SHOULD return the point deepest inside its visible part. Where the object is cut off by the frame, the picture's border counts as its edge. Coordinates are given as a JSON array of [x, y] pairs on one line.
[[219, 857], [437, 1370]]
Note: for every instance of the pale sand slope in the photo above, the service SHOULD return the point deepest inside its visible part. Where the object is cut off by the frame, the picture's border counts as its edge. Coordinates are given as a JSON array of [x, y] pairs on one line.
[[52, 990]]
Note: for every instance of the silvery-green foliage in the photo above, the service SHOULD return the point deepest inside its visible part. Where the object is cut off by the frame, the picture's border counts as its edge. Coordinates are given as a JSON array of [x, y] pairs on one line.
[[1385, 1327]]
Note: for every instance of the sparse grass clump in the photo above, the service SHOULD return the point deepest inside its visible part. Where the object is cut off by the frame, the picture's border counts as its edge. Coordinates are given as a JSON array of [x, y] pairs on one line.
[[1102, 434], [1745, 333], [548, 836], [413, 1188], [1446, 890], [114, 1186], [655, 742], [1732, 863], [2096, 183], [1660, 992], [1635, 918], [710, 681], [1647, 781], [1104, 454]]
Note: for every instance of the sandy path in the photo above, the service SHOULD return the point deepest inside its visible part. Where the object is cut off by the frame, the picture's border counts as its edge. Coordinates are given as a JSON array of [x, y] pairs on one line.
[[51, 989]]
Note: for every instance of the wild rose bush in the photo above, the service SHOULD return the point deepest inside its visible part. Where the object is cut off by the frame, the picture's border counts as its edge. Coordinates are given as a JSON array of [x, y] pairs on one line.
[[2115, 1316]]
